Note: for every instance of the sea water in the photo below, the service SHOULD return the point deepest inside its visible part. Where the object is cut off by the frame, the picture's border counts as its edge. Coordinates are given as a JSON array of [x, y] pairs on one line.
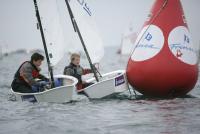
[[117, 115]]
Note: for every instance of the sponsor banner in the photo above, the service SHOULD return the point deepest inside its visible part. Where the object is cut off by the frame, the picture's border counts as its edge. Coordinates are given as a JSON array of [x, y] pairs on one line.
[[119, 80], [181, 45], [148, 44]]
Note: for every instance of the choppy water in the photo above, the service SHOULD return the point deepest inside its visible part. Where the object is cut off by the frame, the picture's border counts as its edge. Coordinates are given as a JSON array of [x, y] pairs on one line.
[[109, 116]]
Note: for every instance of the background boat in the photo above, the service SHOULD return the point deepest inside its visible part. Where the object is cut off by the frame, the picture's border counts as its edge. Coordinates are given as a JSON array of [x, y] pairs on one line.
[[127, 41]]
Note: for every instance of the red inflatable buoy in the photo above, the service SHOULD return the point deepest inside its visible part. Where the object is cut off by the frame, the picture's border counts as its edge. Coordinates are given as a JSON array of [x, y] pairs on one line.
[[164, 61]]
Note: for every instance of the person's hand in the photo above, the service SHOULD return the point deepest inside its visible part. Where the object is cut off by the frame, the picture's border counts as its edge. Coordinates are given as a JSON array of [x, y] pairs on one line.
[[46, 79], [83, 82], [41, 83]]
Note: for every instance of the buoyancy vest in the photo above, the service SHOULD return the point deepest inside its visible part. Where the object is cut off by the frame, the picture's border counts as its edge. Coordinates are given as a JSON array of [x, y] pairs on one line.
[[18, 79], [77, 73]]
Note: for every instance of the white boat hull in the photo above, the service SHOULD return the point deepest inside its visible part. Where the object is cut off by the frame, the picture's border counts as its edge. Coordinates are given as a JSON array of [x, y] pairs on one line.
[[60, 94], [110, 83]]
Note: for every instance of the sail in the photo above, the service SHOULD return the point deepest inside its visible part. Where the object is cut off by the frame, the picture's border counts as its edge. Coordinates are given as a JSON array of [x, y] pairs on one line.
[[127, 45], [85, 21], [128, 40], [53, 31]]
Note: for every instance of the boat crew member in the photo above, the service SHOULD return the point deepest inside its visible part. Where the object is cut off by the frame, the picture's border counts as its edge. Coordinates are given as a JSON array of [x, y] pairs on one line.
[[25, 77], [74, 69]]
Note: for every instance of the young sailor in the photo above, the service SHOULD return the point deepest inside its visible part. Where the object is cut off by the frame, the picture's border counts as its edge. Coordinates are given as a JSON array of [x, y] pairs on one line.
[[74, 69], [24, 79]]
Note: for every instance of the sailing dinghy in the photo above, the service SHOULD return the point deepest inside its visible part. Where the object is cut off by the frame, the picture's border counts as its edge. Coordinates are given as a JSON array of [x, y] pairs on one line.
[[53, 41], [127, 41], [84, 25], [62, 94]]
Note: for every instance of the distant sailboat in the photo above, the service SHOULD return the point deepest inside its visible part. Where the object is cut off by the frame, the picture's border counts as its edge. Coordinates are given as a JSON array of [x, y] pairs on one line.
[[127, 41], [4, 48]]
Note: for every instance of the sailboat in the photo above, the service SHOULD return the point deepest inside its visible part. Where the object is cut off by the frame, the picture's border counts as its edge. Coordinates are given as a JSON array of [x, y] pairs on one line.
[[127, 40], [84, 25], [4, 51], [52, 39]]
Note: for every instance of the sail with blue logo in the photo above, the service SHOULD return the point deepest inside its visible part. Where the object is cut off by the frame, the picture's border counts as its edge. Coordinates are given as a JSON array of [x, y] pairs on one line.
[[83, 14]]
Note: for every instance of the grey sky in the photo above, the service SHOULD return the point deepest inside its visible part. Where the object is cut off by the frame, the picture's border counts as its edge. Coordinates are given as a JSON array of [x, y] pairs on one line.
[[18, 22]]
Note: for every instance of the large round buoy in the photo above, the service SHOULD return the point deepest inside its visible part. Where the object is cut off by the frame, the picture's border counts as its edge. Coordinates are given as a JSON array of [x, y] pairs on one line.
[[164, 61]]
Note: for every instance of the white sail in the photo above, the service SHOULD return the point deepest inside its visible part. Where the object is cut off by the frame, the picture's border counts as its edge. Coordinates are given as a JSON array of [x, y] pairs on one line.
[[85, 21], [53, 30], [128, 40]]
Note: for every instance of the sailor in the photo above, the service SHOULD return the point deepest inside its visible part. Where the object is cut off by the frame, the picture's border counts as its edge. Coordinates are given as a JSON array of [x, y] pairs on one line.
[[25, 77], [74, 69]]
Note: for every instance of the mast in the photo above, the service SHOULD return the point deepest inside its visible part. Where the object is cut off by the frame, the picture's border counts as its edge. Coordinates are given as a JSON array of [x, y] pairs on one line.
[[76, 29], [50, 69]]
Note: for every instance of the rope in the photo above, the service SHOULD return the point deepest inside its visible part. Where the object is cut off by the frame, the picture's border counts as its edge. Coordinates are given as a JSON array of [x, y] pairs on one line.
[[129, 89], [135, 93]]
